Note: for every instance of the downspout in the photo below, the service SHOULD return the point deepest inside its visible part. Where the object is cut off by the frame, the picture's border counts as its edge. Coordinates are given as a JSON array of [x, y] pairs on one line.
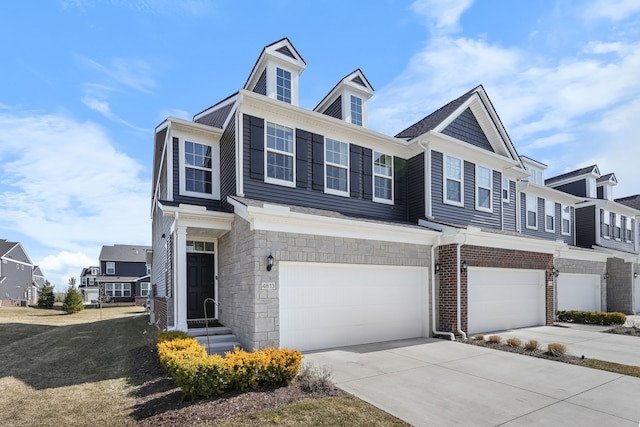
[[458, 284], [433, 294]]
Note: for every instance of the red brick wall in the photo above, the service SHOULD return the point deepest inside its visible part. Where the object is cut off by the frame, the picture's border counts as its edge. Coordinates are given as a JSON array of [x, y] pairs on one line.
[[477, 256], [160, 311]]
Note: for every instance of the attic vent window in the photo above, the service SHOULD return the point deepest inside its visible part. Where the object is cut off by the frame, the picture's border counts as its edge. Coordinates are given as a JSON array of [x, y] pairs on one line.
[[283, 85], [356, 110]]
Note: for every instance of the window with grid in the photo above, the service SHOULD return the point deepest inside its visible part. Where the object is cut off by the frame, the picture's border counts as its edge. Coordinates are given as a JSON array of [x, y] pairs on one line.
[[283, 85], [549, 216], [532, 211], [356, 110], [111, 267], [566, 219], [453, 181], [337, 166], [605, 224], [628, 230], [505, 190], [198, 167], [279, 153], [382, 177], [484, 185], [617, 227], [144, 288]]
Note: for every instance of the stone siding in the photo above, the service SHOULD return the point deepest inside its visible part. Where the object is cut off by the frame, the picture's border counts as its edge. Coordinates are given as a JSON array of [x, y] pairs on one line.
[[620, 286]]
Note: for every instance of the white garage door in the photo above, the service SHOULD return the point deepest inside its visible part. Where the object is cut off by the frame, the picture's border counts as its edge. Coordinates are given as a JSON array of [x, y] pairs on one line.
[[636, 290], [579, 292], [332, 305], [500, 298]]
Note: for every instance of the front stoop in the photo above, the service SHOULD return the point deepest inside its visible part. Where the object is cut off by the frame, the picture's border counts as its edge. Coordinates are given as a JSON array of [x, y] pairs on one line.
[[219, 341]]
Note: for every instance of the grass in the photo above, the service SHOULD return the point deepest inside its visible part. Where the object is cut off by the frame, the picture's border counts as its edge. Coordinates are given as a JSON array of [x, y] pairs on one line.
[[617, 368], [332, 411], [75, 370]]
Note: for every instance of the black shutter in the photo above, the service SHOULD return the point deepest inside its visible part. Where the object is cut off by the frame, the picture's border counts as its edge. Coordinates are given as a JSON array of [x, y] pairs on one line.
[[367, 176], [256, 147], [399, 186], [355, 170], [303, 139], [318, 161]]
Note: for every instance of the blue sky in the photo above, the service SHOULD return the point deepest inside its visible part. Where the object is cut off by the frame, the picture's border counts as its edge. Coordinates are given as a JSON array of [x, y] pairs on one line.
[[84, 83]]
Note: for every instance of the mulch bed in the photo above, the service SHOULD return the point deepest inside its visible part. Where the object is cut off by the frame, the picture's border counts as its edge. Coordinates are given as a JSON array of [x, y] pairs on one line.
[[159, 402], [633, 331], [542, 354]]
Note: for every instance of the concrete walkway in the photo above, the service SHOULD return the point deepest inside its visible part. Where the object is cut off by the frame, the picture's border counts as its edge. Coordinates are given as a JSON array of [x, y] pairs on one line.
[[429, 382]]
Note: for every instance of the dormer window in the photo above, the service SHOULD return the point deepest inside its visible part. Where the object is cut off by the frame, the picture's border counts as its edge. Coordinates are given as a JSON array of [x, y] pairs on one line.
[[536, 176], [283, 85], [356, 110]]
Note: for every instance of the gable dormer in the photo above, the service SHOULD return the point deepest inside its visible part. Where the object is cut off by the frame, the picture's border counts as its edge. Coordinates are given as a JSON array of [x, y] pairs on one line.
[[348, 99], [535, 168], [580, 182], [277, 72], [604, 186]]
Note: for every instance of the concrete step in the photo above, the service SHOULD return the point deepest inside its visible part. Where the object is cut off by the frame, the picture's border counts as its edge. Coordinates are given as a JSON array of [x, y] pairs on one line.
[[218, 344], [218, 330], [221, 348]]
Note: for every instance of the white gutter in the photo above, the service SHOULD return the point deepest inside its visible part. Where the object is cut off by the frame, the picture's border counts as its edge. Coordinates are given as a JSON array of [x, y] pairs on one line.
[[458, 304], [427, 179], [433, 294]]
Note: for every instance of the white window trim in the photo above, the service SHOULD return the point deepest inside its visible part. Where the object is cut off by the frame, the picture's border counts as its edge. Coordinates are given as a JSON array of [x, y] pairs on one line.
[[490, 188], [336, 165], [547, 204], [444, 182], [628, 227], [508, 188], [148, 286], [346, 107], [272, 76], [290, 85], [215, 169], [618, 225], [565, 215], [351, 115], [374, 175], [606, 219], [110, 290], [108, 269], [277, 181], [527, 210]]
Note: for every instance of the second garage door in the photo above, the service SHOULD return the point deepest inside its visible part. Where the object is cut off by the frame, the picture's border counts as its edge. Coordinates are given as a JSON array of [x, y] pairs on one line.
[[579, 292], [332, 305], [500, 298]]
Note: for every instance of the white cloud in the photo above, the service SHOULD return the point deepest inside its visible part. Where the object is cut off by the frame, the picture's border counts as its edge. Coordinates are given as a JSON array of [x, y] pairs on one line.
[[441, 16], [64, 185], [133, 73], [612, 10]]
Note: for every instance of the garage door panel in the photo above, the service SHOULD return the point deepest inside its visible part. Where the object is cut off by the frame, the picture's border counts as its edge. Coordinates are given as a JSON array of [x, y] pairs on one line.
[[331, 305], [579, 292], [504, 299]]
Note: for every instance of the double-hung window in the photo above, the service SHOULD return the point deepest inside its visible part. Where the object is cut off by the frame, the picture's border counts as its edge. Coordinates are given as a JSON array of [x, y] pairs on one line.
[[337, 167], [144, 288], [484, 185], [532, 211], [453, 181], [283, 85], [382, 177], [111, 267], [198, 167], [118, 289], [356, 110], [566, 219], [549, 216], [605, 224], [505, 190], [279, 155], [628, 233], [617, 229]]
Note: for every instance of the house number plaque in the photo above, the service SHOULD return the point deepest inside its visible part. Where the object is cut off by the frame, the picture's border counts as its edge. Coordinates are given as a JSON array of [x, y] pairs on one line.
[[269, 286]]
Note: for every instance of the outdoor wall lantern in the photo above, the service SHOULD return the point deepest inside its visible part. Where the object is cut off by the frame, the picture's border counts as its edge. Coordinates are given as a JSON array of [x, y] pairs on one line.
[[463, 266], [269, 262], [635, 274], [606, 276], [555, 271], [437, 268]]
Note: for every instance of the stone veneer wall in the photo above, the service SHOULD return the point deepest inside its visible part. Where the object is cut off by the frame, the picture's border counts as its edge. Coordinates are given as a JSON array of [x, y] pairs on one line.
[[253, 313], [619, 286], [477, 256], [566, 265]]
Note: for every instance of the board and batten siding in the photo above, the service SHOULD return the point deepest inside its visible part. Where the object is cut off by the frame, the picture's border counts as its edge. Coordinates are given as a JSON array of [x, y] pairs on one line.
[[465, 127], [586, 226], [577, 188], [228, 165], [540, 229], [310, 148], [466, 214], [415, 189]]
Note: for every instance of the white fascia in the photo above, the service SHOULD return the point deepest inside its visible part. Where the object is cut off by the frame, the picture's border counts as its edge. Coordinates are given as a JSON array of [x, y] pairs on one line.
[[625, 256], [581, 254], [282, 219], [612, 206], [16, 246], [547, 193], [476, 237], [198, 216]]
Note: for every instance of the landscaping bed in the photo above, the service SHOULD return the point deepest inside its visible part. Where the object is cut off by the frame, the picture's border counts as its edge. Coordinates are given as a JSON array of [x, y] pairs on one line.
[[540, 353], [633, 331]]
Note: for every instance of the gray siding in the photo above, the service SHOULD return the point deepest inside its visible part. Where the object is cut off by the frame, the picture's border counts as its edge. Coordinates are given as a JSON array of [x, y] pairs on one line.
[[261, 85], [509, 220], [577, 188], [540, 231], [228, 165], [415, 193], [124, 268], [160, 280], [162, 185], [466, 128], [335, 109], [18, 279], [612, 242], [256, 188], [467, 214], [585, 226], [217, 117]]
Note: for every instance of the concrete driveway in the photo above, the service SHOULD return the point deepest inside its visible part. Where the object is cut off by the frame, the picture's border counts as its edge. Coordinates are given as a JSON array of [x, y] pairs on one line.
[[429, 382]]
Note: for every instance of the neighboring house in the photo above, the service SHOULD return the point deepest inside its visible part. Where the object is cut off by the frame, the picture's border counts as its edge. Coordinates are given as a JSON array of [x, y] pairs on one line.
[[89, 284], [20, 280], [123, 274], [607, 226], [310, 230]]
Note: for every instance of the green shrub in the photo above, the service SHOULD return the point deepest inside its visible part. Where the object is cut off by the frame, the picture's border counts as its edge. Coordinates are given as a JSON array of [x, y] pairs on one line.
[[495, 339], [592, 317], [244, 368], [72, 299], [531, 345], [171, 335], [202, 377], [556, 349], [514, 342], [46, 297], [282, 366]]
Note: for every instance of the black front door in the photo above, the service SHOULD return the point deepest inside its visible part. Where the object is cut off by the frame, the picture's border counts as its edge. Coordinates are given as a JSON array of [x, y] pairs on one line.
[[199, 285]]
